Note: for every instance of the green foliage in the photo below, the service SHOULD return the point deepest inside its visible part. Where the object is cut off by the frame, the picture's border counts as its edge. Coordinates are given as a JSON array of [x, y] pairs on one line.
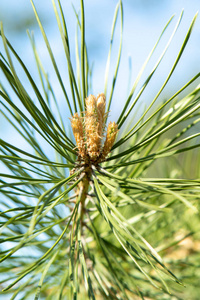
[[136, 234]]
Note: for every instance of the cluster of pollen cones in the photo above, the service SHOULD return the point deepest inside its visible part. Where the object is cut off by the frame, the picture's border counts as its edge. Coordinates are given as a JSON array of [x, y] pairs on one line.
[[92, 140]]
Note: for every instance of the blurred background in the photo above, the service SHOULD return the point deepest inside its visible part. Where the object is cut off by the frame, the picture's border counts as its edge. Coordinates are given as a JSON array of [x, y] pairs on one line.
[[143, 23]]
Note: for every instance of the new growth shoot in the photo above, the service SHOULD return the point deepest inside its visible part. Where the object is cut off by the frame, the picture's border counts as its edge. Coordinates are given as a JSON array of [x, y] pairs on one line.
[[89, 131]]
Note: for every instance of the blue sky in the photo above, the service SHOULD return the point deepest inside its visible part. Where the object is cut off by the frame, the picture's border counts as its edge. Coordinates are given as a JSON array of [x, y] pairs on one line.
[[143, 23]]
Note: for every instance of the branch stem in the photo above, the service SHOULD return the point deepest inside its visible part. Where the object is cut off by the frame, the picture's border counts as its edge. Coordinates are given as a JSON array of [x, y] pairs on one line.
[[82, 192]]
